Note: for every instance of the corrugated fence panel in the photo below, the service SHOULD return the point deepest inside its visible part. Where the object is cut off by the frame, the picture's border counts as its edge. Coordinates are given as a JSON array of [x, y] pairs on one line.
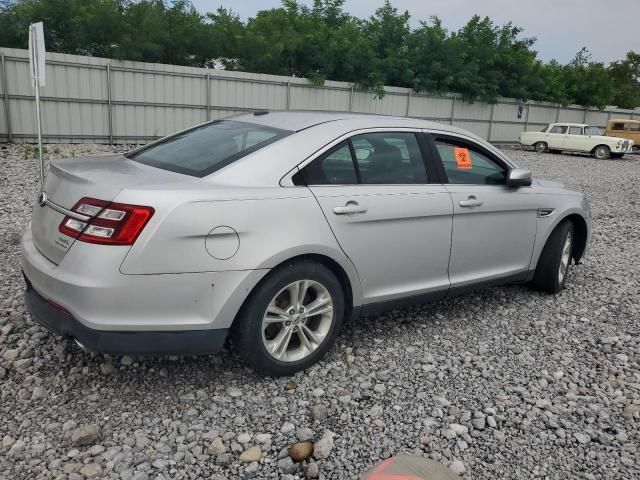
[[246, 95], [540, 115], [571, 115], [430, 107], [101, 100], [317, 98]]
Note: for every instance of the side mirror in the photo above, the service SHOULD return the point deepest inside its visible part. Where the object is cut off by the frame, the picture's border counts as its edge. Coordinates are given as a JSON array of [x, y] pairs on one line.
[[519, 177]]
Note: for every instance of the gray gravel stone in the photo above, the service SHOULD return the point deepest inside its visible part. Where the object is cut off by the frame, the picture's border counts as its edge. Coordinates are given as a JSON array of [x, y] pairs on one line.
[[540, 368]]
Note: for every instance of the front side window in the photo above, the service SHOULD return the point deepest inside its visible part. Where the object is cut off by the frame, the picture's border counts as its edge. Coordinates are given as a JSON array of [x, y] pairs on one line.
[[466, 164], [206, 148], [559, 129], [575, 130], [634, 127], [381, 158]]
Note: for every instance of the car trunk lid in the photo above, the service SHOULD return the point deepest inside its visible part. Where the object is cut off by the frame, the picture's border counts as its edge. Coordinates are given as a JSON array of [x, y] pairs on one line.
[[69, 180]]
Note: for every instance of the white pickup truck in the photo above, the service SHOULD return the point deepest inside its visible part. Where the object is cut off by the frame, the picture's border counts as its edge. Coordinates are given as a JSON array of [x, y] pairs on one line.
[[576, 137]]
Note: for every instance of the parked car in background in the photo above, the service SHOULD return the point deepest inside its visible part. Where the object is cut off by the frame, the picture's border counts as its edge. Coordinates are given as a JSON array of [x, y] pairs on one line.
[[274, 227], [624, 128], [576, 137]]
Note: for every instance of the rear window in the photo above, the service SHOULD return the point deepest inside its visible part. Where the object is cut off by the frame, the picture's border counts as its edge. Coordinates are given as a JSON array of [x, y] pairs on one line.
[[206, 148]]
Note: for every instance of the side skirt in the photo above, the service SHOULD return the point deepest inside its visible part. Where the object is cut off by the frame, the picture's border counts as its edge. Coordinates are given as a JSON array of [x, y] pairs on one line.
[[431, 297]]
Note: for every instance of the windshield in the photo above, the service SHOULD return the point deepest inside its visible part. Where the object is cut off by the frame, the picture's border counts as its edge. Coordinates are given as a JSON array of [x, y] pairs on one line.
[[206, 148], [590, 130]]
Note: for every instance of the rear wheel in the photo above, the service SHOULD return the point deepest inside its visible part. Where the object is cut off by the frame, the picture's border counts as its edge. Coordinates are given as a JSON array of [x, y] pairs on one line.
[[541, 147], [602, 152], [553, 265], [291, 319]]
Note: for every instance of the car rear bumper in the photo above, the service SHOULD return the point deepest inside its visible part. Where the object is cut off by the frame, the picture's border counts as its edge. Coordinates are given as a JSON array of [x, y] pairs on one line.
[[175, 342]]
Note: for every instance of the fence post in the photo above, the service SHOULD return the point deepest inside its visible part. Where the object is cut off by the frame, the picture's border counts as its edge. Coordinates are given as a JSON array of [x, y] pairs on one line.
[[526, 118], [289, 94], [207, 79], [408, 102], [5, 94], [558, 114], [351, 99], [109, 105], [493, 105], [453, 109], [584, 118]]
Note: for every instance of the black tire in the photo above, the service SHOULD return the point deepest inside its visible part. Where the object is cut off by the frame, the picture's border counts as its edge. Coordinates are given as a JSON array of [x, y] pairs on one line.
[[247, 334], [541, 147], [547, 275], [602, 152]]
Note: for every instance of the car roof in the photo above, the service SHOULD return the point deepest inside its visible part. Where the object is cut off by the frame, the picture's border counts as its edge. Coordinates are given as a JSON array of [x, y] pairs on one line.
[[298, 120], [571, 124], [624, 120]]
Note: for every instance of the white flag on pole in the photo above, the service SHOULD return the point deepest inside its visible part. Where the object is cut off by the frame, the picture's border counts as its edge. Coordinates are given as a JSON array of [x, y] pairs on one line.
[[37, 51]]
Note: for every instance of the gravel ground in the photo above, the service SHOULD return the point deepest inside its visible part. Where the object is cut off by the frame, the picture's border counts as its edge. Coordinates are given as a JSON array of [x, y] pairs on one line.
[[504, 383]]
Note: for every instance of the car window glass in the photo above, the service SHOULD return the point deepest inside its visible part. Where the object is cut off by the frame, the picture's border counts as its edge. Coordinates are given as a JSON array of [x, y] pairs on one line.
[[206, 148], [559, 129], [333, 168], [617, 126], [546, 127], [634, 127], [389, 158], [467, 165], [592, 131], [575, 130]]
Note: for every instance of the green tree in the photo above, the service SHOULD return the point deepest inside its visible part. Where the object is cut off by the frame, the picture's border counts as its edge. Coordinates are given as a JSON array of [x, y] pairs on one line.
[[626, 78]]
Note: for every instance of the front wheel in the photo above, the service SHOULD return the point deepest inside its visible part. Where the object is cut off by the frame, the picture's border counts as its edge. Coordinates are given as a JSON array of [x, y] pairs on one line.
[[602, 152], [541, 147], [553, 264], [291, 319]]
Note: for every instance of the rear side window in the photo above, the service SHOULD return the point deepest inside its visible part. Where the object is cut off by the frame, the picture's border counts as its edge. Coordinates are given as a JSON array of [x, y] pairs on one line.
[[333, 168], [575, 130], [617, 126], [381, 158], [389, 158], [465, 164], [204, 149]]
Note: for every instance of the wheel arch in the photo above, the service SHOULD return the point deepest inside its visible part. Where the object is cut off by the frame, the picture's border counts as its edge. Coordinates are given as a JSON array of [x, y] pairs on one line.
[[593, 150], [581, 236], [350, 288]]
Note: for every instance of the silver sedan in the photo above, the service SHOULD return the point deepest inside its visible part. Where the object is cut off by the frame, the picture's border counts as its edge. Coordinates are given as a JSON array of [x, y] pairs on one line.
[[272, 228]]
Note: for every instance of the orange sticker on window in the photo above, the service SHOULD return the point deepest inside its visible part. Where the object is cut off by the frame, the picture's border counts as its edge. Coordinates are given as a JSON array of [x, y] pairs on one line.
[[463, 159]]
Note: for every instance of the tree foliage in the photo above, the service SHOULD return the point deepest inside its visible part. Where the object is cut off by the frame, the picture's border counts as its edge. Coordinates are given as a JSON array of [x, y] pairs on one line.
[[322, 42]]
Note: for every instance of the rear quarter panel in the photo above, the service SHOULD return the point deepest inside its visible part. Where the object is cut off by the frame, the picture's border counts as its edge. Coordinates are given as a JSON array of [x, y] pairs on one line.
[[272, 226]]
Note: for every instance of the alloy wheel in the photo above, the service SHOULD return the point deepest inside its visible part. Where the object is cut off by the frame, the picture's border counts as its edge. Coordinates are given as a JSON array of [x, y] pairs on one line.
[[565, 258], [297, 320]]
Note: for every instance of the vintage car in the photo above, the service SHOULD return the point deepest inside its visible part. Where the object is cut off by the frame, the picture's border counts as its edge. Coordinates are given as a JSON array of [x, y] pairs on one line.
[[624, 128], [576, 137]]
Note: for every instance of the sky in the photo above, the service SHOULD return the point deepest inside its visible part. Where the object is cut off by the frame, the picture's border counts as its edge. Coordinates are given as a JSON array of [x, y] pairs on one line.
[[608, 29]]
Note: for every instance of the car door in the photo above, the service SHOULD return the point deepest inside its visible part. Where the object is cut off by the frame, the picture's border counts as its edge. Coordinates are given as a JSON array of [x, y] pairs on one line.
[[556, 137], [494, 226], [575, 140], [389, 212]]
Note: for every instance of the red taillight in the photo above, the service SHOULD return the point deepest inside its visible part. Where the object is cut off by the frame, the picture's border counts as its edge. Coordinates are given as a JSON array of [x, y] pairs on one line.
[[110, 223]]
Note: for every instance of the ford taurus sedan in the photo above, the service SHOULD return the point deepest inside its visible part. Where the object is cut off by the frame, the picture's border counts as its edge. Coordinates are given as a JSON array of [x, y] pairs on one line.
[[272, 228]]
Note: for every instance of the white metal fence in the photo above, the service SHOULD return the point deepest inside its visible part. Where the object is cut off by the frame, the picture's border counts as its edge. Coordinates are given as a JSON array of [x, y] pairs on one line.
[[90, 99]]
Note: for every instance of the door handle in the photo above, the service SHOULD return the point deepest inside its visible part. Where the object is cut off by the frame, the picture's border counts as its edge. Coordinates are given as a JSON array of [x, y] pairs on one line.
[[350, 208], [471, 202]]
